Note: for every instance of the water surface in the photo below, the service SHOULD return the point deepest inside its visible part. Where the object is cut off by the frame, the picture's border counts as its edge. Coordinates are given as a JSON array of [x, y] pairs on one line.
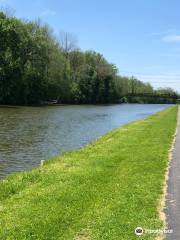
[[30, 134]]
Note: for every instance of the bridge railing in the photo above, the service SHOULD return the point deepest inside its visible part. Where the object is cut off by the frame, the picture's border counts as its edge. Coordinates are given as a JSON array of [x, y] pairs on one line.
[[154, 95]]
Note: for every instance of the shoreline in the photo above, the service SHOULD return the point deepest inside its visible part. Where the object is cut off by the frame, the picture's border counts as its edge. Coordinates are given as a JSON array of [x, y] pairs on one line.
[[96, 190], [90, 104]]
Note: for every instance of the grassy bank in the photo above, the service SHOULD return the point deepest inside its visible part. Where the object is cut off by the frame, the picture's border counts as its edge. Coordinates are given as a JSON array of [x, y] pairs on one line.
[[102, 191]]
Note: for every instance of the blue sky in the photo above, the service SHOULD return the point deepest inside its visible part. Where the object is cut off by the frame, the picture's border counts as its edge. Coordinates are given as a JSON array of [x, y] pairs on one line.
[[141, 37]]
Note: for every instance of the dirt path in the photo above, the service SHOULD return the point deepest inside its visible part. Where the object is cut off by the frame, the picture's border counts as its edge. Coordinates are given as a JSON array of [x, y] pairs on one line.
[[173, 194]]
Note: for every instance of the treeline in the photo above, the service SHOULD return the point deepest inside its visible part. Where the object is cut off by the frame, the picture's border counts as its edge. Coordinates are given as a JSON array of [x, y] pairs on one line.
[[36, 67]]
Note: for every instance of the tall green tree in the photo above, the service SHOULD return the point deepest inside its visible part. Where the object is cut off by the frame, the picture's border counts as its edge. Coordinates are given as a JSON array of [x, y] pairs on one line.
[[36, 67]]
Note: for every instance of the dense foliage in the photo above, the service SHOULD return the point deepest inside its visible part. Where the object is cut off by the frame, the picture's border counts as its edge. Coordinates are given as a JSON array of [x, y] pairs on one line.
[[35, 67]]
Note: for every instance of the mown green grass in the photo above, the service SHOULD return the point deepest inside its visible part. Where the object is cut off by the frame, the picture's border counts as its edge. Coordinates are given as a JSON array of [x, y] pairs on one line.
[[102, 191]]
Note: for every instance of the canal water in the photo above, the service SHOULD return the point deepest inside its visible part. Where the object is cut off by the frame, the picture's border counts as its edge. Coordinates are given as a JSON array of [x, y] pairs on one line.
[[30, 134]]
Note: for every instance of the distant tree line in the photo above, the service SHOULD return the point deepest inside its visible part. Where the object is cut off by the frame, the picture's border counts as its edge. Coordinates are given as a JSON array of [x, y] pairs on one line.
[[36, 67]]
